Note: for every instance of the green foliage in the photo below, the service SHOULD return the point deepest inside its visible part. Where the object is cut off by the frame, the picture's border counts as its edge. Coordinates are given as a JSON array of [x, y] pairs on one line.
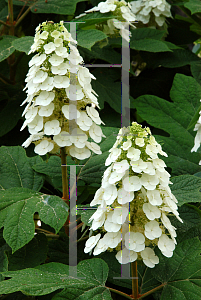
[[31, 255], [87, 38], [163, 95], [174, 117], [16, 166], [54, 276], [186, 188], [17, 207], [62, 7], [23, 44], [180, 274], [147, 39], [194, 6], [6, 48]]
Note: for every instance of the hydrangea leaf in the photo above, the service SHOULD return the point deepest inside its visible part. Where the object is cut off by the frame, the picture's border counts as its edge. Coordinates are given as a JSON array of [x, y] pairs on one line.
[[94, 18], [106, 53], [196, 71], [6, 48], [174, 118], [189, 215], [109, 90], [87, 38], [3, 261], [85, 211], [62, 7], [50, 277], [52, 170], [146, 39], [194, 6], [17, 167], [23, 44], [17, 207], [31, 255], [149, 45], [186, 188], [180, 274], [176, 58]]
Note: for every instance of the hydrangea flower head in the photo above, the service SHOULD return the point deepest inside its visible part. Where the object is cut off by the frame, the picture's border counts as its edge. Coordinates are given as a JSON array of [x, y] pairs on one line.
[[152, 12], [134, 200], [61, 104], [123, 17]]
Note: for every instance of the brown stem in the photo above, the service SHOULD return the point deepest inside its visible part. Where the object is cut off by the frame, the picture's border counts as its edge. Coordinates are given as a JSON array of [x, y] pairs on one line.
[[45, 231], [65, 183], [5, 79], [152, 291], [119, 293], [23, 16], [134, 280], [4, 23]]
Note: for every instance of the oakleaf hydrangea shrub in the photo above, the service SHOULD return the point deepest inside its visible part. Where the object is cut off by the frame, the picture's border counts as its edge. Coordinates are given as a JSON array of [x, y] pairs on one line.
[[134, 201], [123, 17], [60, 97]]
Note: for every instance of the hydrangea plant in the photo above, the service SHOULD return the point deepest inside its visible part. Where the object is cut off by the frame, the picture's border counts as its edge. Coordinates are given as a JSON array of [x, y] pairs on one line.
[[134, 201], [61, 104], [123, 17]]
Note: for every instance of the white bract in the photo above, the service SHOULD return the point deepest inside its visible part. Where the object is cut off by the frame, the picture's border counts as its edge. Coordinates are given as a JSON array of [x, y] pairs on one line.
[[149, 257], [61, 104], [121, 10], [134, 200], [152, 12]]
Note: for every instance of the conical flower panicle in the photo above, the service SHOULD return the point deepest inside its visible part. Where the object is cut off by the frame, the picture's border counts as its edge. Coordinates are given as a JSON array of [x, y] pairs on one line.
[[134, 200], [123, 17], [61, 103]]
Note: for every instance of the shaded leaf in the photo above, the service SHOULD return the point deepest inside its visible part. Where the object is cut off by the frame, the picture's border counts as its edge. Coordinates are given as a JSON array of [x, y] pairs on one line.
[[149, 45], [31, 255], [62, 7], [17, 207], [23, 44], [108, 90], [6, 48], [87, 38], [176, 58], [190, 217], [15, 165], [93, 18], [174, 117]]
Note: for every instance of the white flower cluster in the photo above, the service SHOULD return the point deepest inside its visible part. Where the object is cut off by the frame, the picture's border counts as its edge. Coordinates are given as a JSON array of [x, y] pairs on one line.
[[60, 96], [153, 11], [197, 140], [123, 17], [134, 200]]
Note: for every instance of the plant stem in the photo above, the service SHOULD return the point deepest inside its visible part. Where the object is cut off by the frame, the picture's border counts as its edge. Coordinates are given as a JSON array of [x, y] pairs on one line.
[[152, 291], [23, 16], [120, 293], [134, 280], [65, 183]]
